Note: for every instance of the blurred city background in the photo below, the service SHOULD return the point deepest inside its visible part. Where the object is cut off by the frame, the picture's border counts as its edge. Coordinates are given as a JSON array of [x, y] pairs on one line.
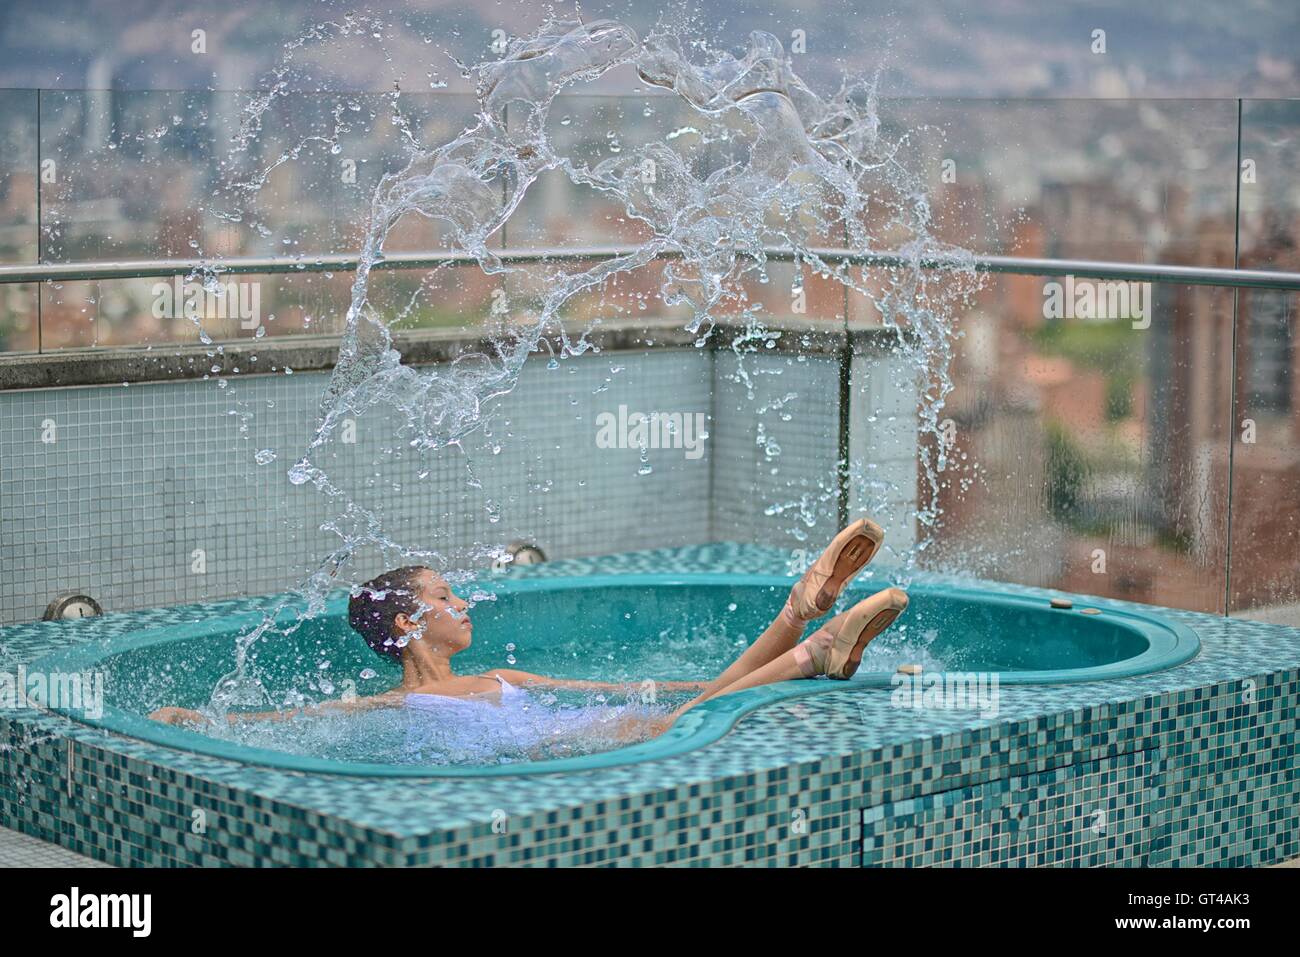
[[1171, 450]]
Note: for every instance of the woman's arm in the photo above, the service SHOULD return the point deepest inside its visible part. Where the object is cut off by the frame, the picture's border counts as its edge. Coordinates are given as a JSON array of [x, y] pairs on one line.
[[528, 679], [182, 716]]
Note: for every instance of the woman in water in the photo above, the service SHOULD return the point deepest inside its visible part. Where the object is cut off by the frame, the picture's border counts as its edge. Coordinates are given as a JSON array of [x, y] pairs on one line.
[[412, 615]]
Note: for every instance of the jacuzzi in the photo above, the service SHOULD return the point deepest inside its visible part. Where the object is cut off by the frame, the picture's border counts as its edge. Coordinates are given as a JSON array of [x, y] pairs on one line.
[[615, 628]]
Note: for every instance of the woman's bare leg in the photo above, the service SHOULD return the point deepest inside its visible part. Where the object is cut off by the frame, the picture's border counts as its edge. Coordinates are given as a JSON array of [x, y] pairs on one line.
[[823, 653], [772, 648], [769, 659], [780, 636], [810, 598], [785, 667]]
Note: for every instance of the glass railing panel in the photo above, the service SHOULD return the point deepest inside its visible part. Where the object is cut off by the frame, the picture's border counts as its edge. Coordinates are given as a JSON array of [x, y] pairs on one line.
[[1265, 545], [1270, 194], [1123, 179], [1090, 454], [19, 170], [154, 175]]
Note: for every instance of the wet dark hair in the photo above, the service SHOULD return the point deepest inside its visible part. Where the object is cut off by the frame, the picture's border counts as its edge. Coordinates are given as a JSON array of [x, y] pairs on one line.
[[373, 612]]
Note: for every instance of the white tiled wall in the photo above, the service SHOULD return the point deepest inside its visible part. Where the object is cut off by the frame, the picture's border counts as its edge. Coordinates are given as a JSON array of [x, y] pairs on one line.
[[776, 446], [883, 447], [113, 490]]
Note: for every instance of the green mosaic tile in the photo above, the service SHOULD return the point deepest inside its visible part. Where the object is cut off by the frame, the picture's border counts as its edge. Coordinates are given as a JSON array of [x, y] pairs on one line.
[[1205, 761]]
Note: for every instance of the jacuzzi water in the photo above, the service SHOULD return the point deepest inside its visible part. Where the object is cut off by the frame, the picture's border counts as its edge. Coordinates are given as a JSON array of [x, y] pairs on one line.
[[615, 628]]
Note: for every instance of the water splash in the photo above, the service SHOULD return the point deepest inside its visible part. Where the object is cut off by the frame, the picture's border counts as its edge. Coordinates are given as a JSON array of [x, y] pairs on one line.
[[768, 164]]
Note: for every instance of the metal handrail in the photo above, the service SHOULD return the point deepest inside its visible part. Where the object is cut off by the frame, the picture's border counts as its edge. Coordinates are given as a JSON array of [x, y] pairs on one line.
[[1012, 265]]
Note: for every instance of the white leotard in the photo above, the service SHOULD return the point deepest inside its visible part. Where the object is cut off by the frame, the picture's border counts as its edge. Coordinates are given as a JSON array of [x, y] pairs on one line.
[[482, 727], [497, 727], [441, 702]]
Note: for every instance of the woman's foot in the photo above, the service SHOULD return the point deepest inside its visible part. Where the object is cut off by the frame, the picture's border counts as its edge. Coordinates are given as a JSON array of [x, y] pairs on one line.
[[836, 650], [821, 585]]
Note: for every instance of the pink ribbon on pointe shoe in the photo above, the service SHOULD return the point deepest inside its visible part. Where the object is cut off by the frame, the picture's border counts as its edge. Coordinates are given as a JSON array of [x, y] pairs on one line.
[[788, 614], [810, 655]]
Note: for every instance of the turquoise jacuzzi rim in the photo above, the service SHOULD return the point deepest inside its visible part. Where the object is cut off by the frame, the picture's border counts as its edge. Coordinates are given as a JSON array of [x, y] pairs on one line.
[[1170, 643]]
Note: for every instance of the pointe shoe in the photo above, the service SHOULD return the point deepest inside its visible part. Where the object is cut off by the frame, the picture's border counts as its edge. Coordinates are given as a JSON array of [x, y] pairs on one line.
[[816, 592], [838, 654]]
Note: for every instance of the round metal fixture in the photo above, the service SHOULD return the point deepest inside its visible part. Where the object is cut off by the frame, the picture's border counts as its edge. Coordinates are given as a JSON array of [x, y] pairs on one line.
[[70, 606], [519, 553]]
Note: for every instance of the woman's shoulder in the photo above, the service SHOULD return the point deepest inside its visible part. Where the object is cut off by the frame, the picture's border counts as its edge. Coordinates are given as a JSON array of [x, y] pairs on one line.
[[459, 686], [509, 674]]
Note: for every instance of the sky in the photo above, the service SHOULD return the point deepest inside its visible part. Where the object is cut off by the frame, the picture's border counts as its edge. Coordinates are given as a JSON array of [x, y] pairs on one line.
[[930, 48]]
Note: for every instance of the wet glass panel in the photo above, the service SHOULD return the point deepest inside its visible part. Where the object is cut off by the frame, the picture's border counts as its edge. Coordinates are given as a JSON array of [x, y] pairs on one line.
[[19, 329], [1265, 556], [1090, 452], [130, 312], [155, 175], [1270, 197]]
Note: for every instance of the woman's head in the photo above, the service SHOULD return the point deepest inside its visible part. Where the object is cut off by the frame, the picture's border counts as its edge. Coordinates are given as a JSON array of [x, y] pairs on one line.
[[410, 604]]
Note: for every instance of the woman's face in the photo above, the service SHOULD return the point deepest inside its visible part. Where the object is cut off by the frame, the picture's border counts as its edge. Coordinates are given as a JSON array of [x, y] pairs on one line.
[[444, 621]]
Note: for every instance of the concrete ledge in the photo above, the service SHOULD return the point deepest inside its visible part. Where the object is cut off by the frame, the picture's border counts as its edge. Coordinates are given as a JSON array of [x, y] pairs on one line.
[[137, 364]]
